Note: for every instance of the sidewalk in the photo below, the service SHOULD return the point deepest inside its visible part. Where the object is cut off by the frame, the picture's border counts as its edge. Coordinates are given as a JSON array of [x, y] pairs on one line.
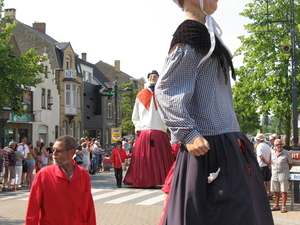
[[288, 218]]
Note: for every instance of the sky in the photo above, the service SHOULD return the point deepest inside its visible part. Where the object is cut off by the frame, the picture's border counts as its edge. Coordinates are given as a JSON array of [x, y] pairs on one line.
[[136, 32]]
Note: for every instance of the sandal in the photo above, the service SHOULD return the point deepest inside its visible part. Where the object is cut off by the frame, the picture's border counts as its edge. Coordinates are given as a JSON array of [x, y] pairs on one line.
[[275, 208], [283, 210], [4, 189]]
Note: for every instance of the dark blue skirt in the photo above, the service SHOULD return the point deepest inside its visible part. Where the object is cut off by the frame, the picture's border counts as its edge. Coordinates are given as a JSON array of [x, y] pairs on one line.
[[236, 197]]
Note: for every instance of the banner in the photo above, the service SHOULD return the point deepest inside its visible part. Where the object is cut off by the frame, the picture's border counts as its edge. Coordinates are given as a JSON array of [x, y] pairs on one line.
[[116, 134]]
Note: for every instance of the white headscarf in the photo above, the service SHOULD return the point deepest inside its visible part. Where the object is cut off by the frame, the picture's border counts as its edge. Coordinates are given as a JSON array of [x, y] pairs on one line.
[[213, 29]]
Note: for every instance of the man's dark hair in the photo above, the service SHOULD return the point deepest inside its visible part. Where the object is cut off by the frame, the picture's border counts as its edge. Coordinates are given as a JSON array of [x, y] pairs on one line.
[[119, 143], [70, 142]]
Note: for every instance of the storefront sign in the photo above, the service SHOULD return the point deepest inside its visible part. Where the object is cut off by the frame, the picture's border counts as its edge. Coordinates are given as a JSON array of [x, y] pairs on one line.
[[295, 157], [295, 176], [116, 134], [19, 119]]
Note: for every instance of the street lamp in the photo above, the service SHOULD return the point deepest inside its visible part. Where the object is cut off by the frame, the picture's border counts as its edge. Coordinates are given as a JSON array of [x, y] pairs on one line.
[[294, 93]]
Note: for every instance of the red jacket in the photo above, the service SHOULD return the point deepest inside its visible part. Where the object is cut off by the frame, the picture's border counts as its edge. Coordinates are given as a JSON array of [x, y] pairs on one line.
[[115, 157], [54, 199]]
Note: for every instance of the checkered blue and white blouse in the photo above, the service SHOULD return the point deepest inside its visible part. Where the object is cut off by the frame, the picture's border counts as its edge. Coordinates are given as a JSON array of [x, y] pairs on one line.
[[194, 101]]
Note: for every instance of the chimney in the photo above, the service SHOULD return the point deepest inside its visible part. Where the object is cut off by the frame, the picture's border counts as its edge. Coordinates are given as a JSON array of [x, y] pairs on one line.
[[83, 56], [41, 27], [117, 65], [11, 13]]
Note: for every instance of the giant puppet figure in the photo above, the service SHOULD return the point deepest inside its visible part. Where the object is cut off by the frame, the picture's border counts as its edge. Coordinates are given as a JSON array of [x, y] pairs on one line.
[[216, 179], [152, 156]]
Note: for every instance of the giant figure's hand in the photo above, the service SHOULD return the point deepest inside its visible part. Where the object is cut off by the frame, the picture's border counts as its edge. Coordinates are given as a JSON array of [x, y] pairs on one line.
[[198, 146]]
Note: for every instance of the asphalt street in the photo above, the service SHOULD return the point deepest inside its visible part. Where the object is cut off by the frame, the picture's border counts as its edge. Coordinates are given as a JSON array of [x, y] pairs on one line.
[[115, 206]]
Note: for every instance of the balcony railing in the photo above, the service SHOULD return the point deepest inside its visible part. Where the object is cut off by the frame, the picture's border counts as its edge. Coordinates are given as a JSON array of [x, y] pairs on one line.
[[70, 74]]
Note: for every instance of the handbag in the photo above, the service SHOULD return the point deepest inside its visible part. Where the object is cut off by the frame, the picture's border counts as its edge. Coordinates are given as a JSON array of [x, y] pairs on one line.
[[122, 164]]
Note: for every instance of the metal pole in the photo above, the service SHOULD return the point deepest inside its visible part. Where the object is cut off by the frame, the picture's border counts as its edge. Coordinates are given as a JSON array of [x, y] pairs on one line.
[[294, 94], [116, 103]]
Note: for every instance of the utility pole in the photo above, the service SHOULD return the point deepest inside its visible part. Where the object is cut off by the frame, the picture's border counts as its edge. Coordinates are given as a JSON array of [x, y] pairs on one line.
[[294, 56], [116, 102]]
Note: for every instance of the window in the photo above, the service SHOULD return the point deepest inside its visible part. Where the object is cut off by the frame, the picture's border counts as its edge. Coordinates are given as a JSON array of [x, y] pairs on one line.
[[43, 98], [73, 95], [43, 131], [68, 63], [78, 97], [72, 129], [46, 71], [87, 77], [68, 95], [78, 68], [50, 99], [64, 131]]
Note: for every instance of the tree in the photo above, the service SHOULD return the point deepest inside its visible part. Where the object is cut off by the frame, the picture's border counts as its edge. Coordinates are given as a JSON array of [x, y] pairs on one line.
[[265, 84], [246, 113], [127, 108], [18, 73]]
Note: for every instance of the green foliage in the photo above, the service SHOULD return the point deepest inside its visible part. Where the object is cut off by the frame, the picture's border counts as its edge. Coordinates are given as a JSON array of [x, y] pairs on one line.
[[18, 73], [127, 108], [264, 83]]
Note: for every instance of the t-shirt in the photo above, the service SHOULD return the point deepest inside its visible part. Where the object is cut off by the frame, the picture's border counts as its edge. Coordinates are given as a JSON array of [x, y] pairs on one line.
[[264, 150]]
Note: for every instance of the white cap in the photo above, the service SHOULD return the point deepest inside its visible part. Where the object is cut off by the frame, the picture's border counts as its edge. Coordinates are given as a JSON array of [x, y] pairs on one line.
[[260, 137]]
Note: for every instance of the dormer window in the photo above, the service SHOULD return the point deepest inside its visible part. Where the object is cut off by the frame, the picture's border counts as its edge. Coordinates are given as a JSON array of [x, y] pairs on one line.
[[68, 62]]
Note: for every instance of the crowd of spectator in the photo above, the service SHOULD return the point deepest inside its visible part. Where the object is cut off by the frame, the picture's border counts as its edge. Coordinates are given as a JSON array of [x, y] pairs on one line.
[[19, 162]]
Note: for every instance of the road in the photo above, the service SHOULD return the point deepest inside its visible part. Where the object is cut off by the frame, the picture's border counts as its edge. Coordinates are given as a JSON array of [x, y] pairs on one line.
[[115, 206], [126, 205]]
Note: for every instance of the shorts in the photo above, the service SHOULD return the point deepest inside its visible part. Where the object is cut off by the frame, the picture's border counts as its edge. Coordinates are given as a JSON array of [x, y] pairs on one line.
[[11, 171], [280, 186], [266, 172], [30, 163], [24, 170]]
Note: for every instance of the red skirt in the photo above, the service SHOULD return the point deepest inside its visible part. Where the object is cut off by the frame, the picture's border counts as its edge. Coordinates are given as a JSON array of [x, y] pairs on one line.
[[151, 159]]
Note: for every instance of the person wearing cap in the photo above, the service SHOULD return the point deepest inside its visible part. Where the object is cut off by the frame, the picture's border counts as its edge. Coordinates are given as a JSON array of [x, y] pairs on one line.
[[61, 192], [216, 178], [152, 155], [263, 152]]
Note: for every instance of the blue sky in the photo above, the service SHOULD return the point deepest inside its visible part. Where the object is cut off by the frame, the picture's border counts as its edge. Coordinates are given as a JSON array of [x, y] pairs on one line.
[[136, 32]]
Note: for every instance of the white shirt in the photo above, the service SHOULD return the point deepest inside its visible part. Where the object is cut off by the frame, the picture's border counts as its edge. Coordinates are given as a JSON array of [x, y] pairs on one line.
[[144, 119], [24, 149], [263, 149]]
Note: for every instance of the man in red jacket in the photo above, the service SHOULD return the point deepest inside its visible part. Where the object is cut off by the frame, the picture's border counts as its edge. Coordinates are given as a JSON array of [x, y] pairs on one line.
[[118, 157], [61, 192]]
